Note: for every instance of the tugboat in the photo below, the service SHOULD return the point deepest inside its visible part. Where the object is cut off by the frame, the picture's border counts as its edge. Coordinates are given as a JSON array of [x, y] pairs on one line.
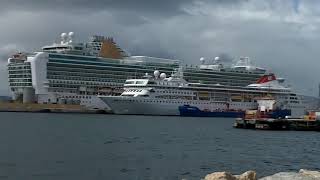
[[268, 116], [271, 117]]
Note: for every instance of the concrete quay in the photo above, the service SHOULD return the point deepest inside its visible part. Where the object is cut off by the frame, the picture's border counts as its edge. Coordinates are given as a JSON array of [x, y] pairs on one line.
[[56, 108]]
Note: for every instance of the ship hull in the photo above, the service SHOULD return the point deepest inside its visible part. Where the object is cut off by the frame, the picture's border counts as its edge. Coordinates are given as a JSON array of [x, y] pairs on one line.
[[134, 106], [149, 106], [193, 111]]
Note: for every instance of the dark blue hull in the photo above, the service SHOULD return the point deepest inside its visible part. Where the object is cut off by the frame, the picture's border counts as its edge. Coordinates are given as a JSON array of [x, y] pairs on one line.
[[192, 111], [280, 113]]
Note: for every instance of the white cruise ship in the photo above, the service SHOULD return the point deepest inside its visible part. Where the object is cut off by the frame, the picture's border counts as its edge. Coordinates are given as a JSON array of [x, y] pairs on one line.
[[69, 72], [159, 95]]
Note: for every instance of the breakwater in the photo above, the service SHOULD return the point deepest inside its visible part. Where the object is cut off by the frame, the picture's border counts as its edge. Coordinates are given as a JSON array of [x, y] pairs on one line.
[[303, 174]]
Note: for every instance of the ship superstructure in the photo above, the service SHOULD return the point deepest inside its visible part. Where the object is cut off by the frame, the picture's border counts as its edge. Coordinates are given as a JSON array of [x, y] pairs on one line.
[[68, 72], [242, 73]]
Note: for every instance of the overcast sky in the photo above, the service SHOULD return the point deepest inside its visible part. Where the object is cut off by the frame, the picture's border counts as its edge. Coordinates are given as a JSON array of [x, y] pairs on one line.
[[280, 35]]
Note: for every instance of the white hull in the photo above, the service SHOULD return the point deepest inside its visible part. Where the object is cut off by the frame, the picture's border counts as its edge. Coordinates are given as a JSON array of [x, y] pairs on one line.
[[90, 102], [169, 107], [126, 105]]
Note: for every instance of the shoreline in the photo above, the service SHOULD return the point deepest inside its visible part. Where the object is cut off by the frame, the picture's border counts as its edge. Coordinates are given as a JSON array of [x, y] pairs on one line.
[[49, 108]]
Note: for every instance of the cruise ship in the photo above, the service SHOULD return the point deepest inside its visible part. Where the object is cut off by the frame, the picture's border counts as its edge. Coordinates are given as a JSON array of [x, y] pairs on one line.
[[70, 72], [159, 95], [74, 73]]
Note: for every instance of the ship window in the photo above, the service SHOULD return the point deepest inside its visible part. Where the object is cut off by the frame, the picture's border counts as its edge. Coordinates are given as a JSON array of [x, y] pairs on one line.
[[78, 48], [129, 82]]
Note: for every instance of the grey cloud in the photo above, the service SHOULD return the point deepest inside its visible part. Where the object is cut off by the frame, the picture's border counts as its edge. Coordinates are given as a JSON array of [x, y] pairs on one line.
[[5, 52], [225, 57], [163, 7], [158, 8], [185, 30], [4, 87]]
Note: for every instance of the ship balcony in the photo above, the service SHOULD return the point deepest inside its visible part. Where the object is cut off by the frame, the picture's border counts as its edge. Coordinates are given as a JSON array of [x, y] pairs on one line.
[[16, 60]]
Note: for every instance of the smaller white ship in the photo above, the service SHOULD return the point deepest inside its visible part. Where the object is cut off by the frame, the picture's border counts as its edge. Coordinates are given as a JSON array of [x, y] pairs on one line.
[[161, 95]]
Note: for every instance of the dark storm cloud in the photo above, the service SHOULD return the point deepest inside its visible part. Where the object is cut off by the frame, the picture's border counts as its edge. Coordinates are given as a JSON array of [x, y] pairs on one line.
[[152, 7], [159, 8]]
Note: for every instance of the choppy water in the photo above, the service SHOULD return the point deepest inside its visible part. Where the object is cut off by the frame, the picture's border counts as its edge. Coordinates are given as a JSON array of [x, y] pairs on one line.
[[77, 146]]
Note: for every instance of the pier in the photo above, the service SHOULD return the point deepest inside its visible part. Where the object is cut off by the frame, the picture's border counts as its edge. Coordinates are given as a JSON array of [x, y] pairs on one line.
[[55, 108]]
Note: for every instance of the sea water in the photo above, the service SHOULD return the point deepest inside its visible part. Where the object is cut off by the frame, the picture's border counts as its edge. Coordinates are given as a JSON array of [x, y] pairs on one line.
[[42, 146]]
